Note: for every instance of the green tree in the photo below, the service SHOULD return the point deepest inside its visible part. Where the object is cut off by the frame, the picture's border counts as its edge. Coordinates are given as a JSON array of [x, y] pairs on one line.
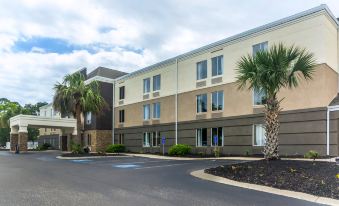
[[73, 96], [269, 71]]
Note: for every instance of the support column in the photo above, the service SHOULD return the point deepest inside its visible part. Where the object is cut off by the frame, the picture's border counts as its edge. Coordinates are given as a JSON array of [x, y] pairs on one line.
[[14, 136], [22, 138]]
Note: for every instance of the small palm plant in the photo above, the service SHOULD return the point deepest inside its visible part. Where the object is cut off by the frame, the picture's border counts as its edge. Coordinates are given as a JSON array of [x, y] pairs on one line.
[[73, 96], [269, 71]]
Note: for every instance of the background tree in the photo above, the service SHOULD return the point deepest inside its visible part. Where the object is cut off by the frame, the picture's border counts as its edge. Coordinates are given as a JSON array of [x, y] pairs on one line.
[[73, 96], [269, 71], [10, 109]]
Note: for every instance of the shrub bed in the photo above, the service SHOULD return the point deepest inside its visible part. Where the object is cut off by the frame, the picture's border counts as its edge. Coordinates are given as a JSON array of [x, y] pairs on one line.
[[115, 148], [179, 150]]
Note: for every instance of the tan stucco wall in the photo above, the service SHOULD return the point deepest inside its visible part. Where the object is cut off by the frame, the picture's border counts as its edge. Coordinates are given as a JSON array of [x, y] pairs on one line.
[[317, 33]]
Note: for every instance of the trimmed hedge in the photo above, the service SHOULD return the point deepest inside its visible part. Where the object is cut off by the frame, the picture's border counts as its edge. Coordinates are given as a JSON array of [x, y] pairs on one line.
[[179, 150], [115, 148]]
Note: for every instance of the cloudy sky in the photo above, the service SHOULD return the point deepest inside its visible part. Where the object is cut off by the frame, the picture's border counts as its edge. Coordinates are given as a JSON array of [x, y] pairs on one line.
[[41, 41]]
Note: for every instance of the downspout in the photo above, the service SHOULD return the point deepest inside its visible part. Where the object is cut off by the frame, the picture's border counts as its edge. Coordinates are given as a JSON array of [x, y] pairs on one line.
[[113, 112], [328, 132], [176, 104]]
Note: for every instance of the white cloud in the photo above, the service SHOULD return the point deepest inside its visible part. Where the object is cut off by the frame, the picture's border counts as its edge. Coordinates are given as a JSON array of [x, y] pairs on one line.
[[162, 28]]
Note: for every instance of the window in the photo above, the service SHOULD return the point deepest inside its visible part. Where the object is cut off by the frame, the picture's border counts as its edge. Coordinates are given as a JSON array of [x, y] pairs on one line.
[[88, 118], [122, 92], [156, 82], [121, 138], [259, 137], [147, 112], [147, 139], [217, 134], [217, 101], [217, 66], [89, 139], [147, 85], [202, 70], [259, 47], [122, 116], [259, 97], [201, 103], [155, 139], [156, 110], [201, 137]]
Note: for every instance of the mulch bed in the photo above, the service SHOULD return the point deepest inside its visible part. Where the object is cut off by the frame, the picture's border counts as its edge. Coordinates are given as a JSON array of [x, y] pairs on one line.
[[89, 155], [316, 178]]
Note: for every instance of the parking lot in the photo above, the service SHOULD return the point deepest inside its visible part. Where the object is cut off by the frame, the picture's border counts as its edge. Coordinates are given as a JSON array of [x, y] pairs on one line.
[[41, 179]]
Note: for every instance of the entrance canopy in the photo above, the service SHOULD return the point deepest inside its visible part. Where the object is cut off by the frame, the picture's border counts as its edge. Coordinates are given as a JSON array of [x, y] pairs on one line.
[[20, 123]]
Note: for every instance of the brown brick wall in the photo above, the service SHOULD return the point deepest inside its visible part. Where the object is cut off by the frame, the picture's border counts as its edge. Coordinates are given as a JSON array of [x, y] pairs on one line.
[[100, 139], [14, 141]]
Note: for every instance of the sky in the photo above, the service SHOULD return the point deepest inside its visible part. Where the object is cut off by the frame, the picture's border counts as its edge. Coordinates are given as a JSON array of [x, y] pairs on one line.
[[43, 40]]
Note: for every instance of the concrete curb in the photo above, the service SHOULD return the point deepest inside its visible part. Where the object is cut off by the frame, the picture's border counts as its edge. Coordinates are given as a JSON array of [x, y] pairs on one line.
[[297, 195], [89, 157], [190, 158]]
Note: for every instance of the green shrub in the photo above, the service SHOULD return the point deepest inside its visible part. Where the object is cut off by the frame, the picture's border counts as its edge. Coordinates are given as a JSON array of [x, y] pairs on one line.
[[179, 150], [312, 155], [115, 148], [76, 148], [216, 152], [43, 147]]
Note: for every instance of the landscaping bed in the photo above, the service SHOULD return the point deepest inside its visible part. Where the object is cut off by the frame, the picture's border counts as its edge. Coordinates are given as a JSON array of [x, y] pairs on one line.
[[90, 154], [316, 178]]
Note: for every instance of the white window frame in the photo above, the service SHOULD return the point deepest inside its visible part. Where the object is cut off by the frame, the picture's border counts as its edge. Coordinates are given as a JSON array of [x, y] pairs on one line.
[[253, 99], [254, 133], [88, 118], [222, 136], [196, 71], [261, 49], [149, 139], [149, 111], [158, 89], [149, 85], [196, 138], [196, 104], [157, 137], [223, 101], [222, 66], [154, 113]]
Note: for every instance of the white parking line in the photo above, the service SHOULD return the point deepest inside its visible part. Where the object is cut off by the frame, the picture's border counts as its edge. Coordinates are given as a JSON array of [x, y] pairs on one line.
[[161, 166], [146, 162]]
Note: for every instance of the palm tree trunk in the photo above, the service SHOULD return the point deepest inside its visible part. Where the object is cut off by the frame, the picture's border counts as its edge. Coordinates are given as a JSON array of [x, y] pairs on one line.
[[272, 109], [79, 125]]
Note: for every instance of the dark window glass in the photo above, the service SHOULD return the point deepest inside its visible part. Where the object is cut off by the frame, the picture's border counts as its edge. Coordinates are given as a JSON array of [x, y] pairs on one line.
[[122, 92]]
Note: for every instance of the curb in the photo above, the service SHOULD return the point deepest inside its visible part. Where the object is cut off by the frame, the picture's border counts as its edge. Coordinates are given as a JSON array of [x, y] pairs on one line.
[[190, 158], [89, 157], [297, 195]]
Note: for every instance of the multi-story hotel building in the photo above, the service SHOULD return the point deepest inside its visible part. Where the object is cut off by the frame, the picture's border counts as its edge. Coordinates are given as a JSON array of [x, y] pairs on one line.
[[193, 97]]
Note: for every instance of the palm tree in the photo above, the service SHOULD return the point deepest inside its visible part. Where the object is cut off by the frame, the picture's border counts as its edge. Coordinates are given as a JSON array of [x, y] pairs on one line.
[[73, 96], [269, 71]]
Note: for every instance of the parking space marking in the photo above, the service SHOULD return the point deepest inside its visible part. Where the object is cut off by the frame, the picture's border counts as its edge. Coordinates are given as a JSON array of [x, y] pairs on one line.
[[81, 161], [146, 162], [157, 166], [126, 166]]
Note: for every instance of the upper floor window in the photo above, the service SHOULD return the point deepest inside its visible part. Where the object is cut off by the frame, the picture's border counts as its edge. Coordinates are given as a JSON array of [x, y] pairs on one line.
[[147, 85], [201, 103], [201, 137], [156, 82], [156, 110], [122, 92], [202, 70], [259, 47], [122, 116], [147, 112], [259, 137], [217, 65], [259, 97], [88, 117], [217, 101]]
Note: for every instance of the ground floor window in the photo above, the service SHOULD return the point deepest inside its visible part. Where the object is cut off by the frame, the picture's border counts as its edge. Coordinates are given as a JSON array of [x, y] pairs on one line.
[[201, 137], [121, 138], [259, 137], [217, 137], [155, 139], [89, 139], [147, 139]]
